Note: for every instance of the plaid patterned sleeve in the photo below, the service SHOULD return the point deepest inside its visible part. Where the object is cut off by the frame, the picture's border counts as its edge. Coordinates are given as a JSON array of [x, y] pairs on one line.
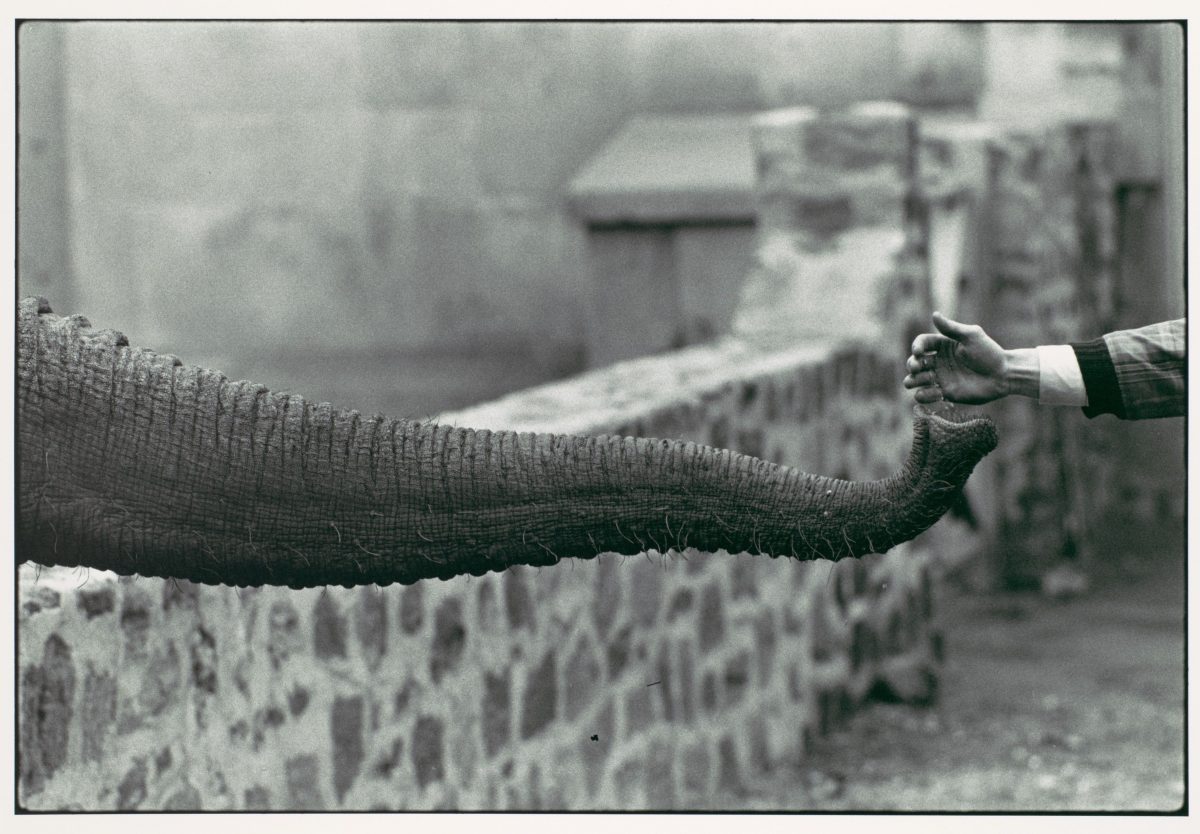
[[1136, 374]]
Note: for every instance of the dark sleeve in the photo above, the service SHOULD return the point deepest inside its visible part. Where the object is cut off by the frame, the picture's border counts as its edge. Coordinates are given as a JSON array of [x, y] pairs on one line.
[[1136, 374], [1099, 379]]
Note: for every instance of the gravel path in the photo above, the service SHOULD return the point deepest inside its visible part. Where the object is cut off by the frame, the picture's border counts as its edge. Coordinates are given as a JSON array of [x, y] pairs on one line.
[[1045, 706]]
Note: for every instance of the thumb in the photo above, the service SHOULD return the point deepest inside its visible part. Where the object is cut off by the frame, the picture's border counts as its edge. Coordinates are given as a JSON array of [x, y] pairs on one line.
[[957, 331]]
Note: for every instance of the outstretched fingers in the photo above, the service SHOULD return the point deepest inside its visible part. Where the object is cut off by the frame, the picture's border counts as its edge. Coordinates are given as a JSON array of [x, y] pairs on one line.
[[930, 343], [956, 330], [920, 367], [921, 379], [929, 394]]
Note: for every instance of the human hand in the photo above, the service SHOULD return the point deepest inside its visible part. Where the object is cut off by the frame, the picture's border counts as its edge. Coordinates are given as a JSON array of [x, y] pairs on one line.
[[961, 364]]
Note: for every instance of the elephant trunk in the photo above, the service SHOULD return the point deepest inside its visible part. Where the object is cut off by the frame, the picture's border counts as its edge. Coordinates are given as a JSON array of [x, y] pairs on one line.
[[135, 463]]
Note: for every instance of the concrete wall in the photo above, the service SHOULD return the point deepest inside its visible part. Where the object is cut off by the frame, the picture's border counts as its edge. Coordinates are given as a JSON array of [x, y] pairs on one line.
[[653, 681], [250, 194], [247, 187]]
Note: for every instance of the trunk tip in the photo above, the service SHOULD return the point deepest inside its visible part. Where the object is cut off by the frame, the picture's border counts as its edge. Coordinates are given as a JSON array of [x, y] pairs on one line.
[[963, 427]]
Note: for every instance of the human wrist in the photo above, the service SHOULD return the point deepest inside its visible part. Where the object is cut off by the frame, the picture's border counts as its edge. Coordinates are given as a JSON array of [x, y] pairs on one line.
[[1021, 372]]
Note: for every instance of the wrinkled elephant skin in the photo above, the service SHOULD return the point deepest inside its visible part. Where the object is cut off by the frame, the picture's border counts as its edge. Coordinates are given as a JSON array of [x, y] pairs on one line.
[[131, 461]]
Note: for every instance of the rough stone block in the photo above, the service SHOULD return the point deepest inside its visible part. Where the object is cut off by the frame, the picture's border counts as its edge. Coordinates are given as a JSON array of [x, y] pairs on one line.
[[346, 730], [371, 625], [96, 602], [264, 721], [298, 700], [256, 798], [826, 637], [486, 608], [496, 711], [518, 603], [464, 752], [583, 677], [937, 646], [841, 594], [645, 589], [163, 760], [538, 709], [131, 792], [833, 704], [449, 639], [695, 763], [629, 782], [135, 621], [710, 696], [180, 593], [203, 651], [755, 733], [894, 633], [606, 602], [389, 761], [283, 632], [665, 685], [412, 608], [533, 793], [639, 710], [597, 742], [862, 646], [711, 627], [428, 756], [98, 710], [47, 707], [40, 599], [742, 571], [618, 652], [793, 620], [764, 645], [160, 686], [737, 678], [329, 628], [687, 680], [660, 776], [681, 603], [303, 777], [729, 775], [185, 798]]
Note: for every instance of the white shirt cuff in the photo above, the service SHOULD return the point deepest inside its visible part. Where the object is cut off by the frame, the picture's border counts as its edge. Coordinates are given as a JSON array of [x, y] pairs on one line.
[[1060, 382]]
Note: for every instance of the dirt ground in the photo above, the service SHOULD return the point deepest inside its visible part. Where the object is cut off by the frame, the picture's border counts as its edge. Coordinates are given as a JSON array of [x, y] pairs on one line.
[[1074, 705]]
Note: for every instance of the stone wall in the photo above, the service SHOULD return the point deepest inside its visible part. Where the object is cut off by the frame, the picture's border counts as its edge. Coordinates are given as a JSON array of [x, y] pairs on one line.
[[1036, 262], [654, 681]]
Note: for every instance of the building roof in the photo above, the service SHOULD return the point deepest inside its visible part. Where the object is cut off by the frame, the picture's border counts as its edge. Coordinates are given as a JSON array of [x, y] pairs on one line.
[[670, 169]]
